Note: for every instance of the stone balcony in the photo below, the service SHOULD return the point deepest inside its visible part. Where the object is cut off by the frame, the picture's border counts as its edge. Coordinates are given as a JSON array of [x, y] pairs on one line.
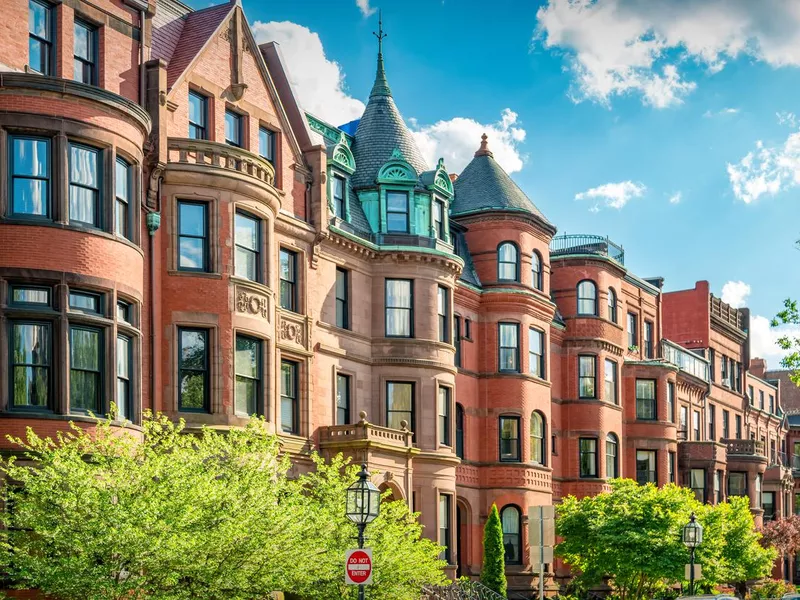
[[706, 452], [746, 455], [365, 436], [216, 158]]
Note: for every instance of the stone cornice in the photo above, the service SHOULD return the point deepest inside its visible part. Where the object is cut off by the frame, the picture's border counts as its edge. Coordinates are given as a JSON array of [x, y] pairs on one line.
[[594, 343], [20, 81], [537, 224]]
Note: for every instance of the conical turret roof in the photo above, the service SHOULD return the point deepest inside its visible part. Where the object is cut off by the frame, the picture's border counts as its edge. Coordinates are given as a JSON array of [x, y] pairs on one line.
[[381, 130], [484, 185]]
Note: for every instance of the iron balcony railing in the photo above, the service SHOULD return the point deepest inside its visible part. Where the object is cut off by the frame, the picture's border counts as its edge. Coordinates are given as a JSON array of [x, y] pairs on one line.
[[686, 360], [460, 590], [564, 245]]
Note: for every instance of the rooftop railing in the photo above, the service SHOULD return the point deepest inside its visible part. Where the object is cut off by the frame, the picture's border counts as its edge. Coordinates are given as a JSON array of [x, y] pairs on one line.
[[686, 360], [564, 245]]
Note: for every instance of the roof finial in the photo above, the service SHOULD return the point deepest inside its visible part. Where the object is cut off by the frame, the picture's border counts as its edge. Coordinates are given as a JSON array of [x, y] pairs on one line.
[[381, 85], [484, 149]]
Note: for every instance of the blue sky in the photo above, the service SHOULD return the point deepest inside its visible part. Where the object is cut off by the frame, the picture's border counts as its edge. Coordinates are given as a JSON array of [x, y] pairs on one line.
[[640, 101]]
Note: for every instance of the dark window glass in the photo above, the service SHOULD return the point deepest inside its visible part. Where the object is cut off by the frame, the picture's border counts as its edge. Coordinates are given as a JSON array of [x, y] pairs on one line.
[[290, 405], [536, 271], [467, 329], [444, 416], [648, 339], [612, 453], [266, 144], [587, 376], [123, 312], [633, 334], [587, 298], [85, 302], [712, 422], [339, 196], [397, 212], [85, 368], [671, 467], [29, 296], [248, 247], [247, 364], [737, 483], [31, 351], [610, 382], [536, 353], [684, 423], [193, 391], [671, 402], [30, 176], [739, 428], [460, 431], [122, 210], [85, 53], [288, 280], [509, 346], [612, 305], [509, 439], [41, 18], [646, 399], [198, 116], [233, 129], [646, 466], [538, 437], [697, 483], [443, 308], [587, 450], [768, 504], [399, 308], [342, 298], [761, 399], [84, 185], [342, 399], [399, 404], [509, 517], [696, 425], [444, 527], [438, 219], [193, 236], [457, 339], [771, 404], [124, 368], [507, 262]]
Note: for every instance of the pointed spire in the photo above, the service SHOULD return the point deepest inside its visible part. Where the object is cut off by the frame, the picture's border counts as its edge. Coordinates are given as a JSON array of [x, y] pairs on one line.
[[381, 85], [484, 149]]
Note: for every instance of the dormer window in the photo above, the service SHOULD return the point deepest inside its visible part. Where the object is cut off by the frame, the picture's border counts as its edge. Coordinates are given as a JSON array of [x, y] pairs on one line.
[[397, 212], [438, 220], [339, 196]]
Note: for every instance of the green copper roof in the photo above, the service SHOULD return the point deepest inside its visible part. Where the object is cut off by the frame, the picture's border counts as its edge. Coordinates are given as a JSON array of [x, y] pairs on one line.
[[380, 131], [484, 185]]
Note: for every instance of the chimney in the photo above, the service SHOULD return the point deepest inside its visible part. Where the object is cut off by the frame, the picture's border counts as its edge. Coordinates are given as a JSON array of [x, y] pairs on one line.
[[758, 367], [453, 177]]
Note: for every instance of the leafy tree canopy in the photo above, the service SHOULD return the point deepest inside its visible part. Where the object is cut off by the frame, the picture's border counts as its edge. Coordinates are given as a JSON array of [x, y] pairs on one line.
[[632, 535], [167, 515]]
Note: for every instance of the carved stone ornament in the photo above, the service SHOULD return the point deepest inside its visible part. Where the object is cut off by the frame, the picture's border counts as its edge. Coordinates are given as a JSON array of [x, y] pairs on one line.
[[252, 304], [292, 332]]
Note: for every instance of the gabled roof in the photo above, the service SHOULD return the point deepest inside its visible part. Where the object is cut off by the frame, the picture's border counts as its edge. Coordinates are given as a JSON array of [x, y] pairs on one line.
[[484, 185], [381, 130]]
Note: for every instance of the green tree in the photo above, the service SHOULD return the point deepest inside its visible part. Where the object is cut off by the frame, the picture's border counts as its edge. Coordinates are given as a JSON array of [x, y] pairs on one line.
[[493, 573], [632, 535], [166, 515], [790, 315]]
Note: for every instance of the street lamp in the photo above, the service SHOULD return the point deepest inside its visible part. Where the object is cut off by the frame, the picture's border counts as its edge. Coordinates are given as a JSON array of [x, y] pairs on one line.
[[363, 506], [692, 538]]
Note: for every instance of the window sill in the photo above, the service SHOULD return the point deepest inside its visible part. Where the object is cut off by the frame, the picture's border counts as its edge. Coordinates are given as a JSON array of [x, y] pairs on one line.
[[201, 274]]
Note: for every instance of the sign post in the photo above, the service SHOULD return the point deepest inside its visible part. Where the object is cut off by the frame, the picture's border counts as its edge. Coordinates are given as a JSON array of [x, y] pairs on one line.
[[541, 536], [358, 567]]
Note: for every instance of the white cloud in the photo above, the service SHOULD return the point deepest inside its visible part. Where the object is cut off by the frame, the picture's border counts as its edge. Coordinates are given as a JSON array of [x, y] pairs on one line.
[[767, 170], [365, 8], [457, 139], [612, 195], [617, 47], [787, 118], [317, 81], [676, 198], [764, 340], [735, 293], [720, 113]]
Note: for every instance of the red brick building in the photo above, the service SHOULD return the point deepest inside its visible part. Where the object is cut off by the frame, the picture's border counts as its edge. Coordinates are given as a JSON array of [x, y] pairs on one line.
[[176, 234]]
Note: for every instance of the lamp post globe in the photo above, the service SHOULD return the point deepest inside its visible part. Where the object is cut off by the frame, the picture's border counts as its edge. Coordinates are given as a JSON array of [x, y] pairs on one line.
[[363, 506], [692, 538]]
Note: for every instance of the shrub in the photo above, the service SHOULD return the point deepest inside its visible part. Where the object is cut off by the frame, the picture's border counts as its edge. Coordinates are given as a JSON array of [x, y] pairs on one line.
[[771, 588]]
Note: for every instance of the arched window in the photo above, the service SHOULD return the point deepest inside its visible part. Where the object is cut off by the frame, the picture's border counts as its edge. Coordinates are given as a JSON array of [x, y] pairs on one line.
[[536, 271], [612, 456], [538, 437], [587, 298], [509, 517], [459, 431], [612, 305], [507, 262]]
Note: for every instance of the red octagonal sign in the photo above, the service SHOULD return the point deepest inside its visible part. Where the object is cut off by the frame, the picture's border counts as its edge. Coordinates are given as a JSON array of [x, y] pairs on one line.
[[358, 567]]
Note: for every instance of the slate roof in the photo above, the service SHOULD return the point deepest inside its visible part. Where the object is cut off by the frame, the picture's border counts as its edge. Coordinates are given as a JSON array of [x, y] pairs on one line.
[[484, 185], [468, 274], [380, 130], [178, 45]]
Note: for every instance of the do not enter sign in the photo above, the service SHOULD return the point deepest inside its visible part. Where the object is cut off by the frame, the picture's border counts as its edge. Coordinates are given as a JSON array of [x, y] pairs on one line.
[[358, 567]]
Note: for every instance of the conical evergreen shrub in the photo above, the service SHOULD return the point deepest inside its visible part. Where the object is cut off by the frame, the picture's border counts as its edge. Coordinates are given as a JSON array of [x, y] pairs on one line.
[[493, 573]]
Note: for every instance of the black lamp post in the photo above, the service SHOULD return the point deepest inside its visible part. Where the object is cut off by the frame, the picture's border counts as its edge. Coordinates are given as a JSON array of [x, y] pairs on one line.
[[692, 538], [363, 506]]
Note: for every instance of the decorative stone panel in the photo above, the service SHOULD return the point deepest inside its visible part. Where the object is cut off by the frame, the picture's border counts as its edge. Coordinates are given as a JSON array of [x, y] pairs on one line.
[[251, 303], [294, 331]]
